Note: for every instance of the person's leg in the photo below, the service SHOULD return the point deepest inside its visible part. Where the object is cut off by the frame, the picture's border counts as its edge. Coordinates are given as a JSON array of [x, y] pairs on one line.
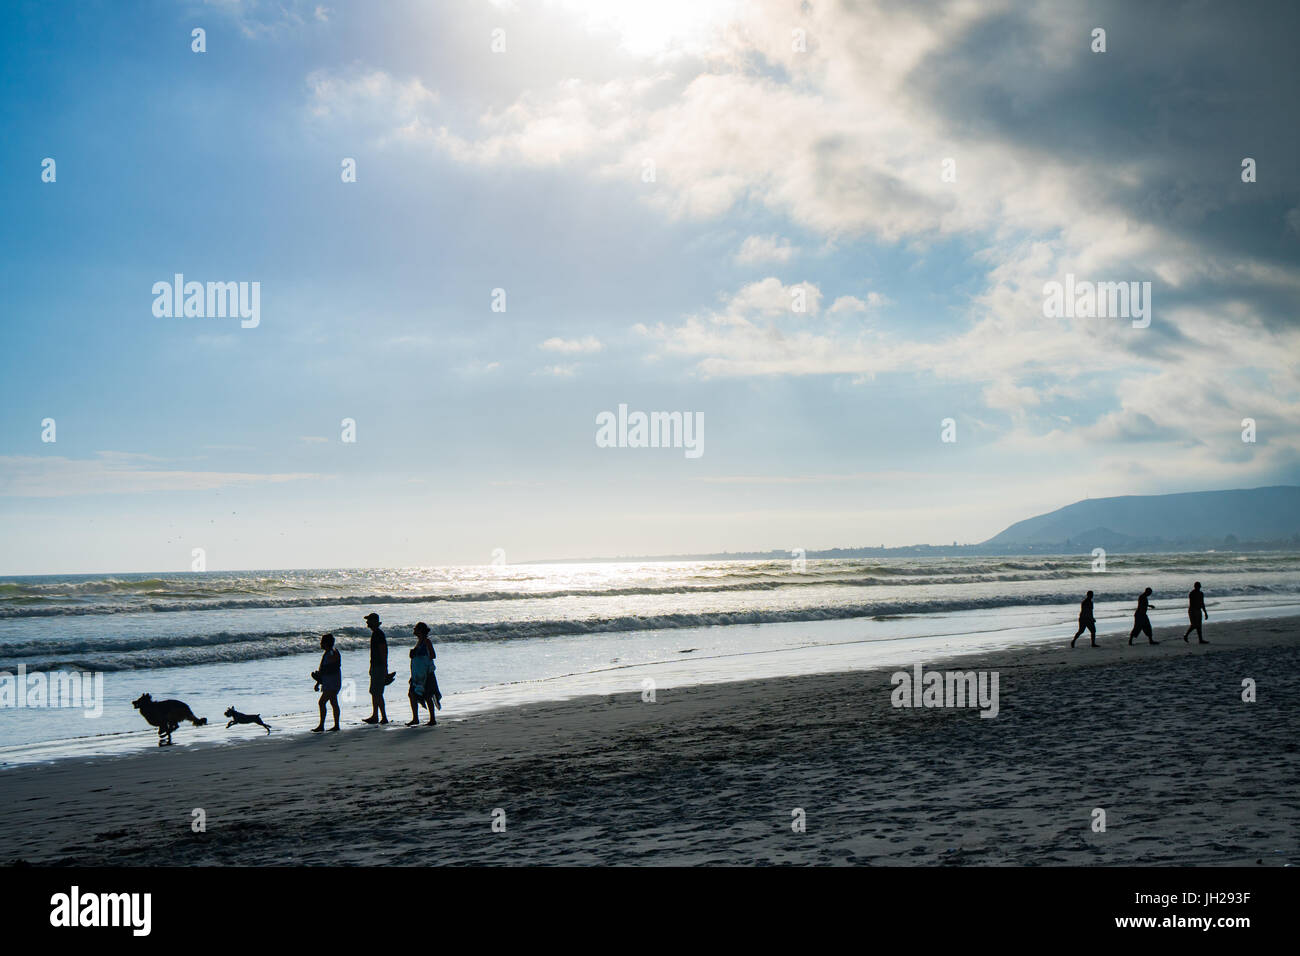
[[383, 712], [334, 706], [1146, 629], [321, 726], [1137, 627], [1092, 632], [428, 703], [415, 709], [374, 710]]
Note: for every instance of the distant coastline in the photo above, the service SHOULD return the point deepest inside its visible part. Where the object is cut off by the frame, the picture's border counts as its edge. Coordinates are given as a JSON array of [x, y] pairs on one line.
[[1064, 549], [1241, 519]]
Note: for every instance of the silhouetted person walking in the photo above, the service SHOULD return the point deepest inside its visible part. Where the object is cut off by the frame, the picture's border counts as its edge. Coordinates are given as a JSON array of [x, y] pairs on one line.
[[1086, 621], [329, 680], [1142, 623], [424, 683], [379, 676], [1195, 608]]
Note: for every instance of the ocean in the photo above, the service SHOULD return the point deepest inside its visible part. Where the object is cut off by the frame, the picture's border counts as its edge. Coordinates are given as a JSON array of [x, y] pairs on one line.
[[518, 633]]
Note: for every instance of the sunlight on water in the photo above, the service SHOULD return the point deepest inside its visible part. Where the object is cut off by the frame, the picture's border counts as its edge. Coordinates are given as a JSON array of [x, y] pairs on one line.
[[511, 633]]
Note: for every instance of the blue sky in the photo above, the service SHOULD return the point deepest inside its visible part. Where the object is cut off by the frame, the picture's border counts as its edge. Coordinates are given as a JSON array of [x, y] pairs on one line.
[[776, 169]]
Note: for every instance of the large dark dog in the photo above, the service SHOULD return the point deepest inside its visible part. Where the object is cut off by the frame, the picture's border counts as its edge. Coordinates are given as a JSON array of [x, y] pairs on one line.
[[166, 715]]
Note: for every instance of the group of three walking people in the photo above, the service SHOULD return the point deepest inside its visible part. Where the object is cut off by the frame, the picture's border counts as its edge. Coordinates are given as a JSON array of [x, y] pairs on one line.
[[1196, 613], [423, 687]]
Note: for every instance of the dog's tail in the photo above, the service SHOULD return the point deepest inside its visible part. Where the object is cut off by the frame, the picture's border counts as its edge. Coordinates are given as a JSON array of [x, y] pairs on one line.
[[183, 712]]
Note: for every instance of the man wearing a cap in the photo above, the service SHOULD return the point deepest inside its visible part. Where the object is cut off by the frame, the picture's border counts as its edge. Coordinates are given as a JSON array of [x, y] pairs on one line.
[[378, 671]]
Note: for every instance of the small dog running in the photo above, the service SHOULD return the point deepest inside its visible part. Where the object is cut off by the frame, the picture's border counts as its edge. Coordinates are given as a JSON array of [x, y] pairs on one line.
[[237, 718], [166, 715]]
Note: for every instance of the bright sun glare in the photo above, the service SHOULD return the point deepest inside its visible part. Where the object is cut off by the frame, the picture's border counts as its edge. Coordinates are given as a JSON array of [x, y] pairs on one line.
[[647, 27]]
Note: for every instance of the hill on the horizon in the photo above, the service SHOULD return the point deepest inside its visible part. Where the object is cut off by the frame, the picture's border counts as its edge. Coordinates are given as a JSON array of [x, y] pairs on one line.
[[1246, 514], [1253, 518]]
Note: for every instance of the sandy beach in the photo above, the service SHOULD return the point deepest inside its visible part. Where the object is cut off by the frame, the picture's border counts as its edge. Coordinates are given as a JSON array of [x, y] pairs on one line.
[[1157, 737]]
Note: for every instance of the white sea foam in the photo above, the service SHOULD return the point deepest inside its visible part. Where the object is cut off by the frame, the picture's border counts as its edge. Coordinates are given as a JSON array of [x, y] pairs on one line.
[[249, 639]]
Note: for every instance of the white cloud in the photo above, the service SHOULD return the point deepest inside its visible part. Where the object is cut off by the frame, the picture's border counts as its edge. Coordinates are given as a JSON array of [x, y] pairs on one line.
[[851, 303], [895, 475], [1006, 396], [756, 250], [846, 141], [389, 108], [574, 121], [847, 303], [571, 346], [114, 473], [266, 18], [558, 371], [771, 297]]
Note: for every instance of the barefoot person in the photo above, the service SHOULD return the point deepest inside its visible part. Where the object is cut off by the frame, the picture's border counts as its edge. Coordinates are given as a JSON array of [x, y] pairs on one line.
[[329, 680], [379, 676], [1195, 608], [424, 685], [1142, 623], [1086, 621]]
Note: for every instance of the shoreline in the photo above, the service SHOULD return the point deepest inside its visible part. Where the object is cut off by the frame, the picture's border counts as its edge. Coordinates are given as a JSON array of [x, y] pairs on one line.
[[714, 655], [711, 773]]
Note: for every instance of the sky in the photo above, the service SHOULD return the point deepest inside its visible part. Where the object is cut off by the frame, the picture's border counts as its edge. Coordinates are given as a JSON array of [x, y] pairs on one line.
[[822, 228]]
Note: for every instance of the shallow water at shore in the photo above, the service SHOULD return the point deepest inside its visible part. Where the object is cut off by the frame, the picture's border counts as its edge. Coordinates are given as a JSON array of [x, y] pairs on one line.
[[478, 677], [709, 774]]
